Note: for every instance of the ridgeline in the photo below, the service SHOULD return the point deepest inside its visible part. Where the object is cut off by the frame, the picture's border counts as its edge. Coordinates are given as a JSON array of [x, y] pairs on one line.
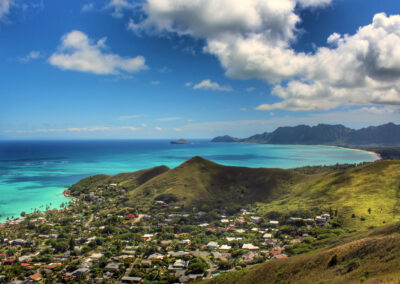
[[324, 134]]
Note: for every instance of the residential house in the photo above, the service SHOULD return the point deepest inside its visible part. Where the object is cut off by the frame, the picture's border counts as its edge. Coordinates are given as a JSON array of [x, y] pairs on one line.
[[212, 245], [250, 247]]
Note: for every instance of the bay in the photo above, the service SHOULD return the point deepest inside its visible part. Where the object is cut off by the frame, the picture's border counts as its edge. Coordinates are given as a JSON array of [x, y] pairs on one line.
[[33, 174]]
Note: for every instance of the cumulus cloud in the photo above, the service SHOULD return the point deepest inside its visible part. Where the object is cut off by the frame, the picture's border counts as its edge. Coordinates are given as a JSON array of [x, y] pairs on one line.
[[158, 128], [77, 52], [155, 82], [253, 39], [362, 69], [209, 85], [212, 18], [32, 55]]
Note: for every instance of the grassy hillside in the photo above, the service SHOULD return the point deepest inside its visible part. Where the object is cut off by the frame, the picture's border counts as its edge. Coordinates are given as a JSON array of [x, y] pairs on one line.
[[200, 181], [372, 257], [126, 180], [364, 196]]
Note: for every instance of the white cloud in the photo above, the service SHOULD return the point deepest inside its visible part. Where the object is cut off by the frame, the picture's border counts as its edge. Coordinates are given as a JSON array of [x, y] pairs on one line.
[[243, 109], [188, 84], [362, 69], [379, 110], [5, 6], [212, 18], [158, 128], [209, 85], [169, 118], [177, 129], [77, 52], [32, 55], [250, 89], [118, 7], [253, 39], [125, 117], [334, 38], [144, 125], [87, 8], [75, 129], [155, 82]]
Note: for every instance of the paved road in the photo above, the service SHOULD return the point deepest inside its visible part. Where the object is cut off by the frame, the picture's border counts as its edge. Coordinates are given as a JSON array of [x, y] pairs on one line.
[[204, 255]]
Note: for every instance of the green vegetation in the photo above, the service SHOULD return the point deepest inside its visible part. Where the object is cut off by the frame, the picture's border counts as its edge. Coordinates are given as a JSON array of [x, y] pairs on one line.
[[362, 197], [199, 181], [372, 257], [126, 180]]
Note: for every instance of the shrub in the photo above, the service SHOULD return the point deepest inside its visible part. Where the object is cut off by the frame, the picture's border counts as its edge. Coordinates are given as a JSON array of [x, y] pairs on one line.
[[333, 260]]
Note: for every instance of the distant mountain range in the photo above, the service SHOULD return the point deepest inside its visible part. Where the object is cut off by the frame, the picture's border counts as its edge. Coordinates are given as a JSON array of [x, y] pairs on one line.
[[386, 134]]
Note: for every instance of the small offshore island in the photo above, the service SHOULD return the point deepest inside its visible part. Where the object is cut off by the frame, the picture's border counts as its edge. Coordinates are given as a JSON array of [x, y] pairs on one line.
[[181, 141]]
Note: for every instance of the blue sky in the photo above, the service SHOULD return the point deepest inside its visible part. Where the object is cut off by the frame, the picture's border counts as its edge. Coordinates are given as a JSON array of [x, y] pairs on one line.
[[195, 69]]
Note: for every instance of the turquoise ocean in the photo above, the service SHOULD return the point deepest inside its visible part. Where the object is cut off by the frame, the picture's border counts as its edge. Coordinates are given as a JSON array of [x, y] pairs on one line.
[[33, 174]]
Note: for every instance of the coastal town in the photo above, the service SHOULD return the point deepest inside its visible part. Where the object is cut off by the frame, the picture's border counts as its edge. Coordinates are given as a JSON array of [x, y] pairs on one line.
[[94, 239]]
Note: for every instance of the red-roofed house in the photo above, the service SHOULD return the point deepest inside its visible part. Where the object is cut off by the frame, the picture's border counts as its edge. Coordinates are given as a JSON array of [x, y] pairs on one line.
[[36, 277]]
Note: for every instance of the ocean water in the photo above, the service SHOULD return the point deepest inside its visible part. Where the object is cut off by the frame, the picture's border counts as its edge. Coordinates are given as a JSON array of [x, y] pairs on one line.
[[33, 174]]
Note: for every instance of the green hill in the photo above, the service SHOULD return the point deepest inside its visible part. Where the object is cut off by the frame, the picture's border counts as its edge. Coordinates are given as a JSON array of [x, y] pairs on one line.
[[199, 181], [372, 257], [127, 180], [363, 196]]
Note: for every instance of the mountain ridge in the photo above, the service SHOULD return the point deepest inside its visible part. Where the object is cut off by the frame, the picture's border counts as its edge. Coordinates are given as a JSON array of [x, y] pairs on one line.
[[326, 134]]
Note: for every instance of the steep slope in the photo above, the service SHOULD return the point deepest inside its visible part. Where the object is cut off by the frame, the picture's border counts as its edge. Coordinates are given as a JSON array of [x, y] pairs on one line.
[[200, 181], [363, 196], [127, 180], [372, 257]]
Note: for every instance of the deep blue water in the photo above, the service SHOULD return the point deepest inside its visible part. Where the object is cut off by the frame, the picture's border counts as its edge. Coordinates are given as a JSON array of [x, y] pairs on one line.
[[34, 173]]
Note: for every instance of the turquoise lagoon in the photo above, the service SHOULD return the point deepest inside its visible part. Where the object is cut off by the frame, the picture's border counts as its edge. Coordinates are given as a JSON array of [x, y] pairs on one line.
[[33, 174]]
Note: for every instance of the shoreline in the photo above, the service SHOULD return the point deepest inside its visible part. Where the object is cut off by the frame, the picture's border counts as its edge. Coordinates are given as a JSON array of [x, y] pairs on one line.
[[377, 155], [66, 193]]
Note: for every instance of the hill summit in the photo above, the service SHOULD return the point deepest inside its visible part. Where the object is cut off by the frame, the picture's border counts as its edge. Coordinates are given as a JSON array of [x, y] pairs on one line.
[[198, 181]]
